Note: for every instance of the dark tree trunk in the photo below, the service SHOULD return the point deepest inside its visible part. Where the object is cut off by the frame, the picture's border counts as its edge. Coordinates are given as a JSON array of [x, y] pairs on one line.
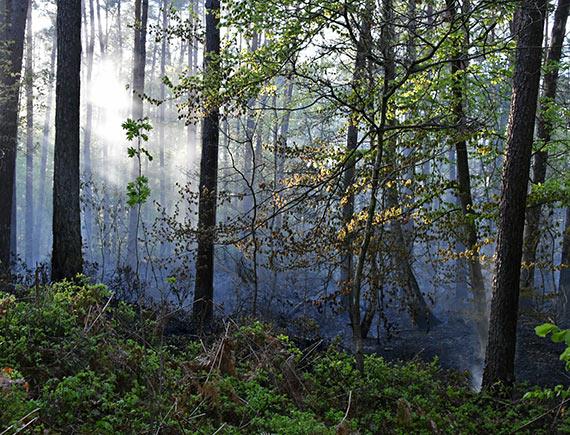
[[347, 261], [543, 136], [30, 235], [12, 29], [141, 18], [500, 355], [249, 159], [204, 289], [458, 68], [421, 315], [67, 260], [161, 108]]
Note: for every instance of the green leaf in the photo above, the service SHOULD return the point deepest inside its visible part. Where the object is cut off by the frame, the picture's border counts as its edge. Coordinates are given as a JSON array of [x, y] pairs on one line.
[[560, 336], [565, 356], [545, 329]]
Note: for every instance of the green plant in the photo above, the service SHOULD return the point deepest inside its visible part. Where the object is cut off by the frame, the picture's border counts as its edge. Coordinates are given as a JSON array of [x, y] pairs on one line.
[[558, 336]]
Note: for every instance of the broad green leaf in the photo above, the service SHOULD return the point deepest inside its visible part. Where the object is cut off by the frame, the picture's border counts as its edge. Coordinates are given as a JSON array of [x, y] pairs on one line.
[[544, 330]]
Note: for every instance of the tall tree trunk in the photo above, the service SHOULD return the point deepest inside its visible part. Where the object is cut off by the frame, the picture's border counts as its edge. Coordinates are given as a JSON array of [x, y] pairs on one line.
[[30, 238], [141, 18], [162, 119], [458, 70], [204, 286], [543, 136], [14, 227], [564, 279], [359, 76], [500, 355], [389, 74], [120, 34], [421, 315], [88, 217], [67, 260], [102, 38], [42, 188], [12, 28], [280, 147]]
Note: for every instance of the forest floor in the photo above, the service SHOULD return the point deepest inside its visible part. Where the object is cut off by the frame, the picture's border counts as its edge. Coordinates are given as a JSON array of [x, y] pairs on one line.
[[455, 344], [71, 361]]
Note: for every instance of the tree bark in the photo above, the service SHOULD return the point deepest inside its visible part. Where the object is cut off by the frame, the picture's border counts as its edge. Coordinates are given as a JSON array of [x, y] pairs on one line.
[[543, 137], [458, 69], [564, 279], [88, 216], [40, 212], [30, 238], [67, 260], [500, 354], [141, 19], [12, 29], [347, 261], [204, 286]]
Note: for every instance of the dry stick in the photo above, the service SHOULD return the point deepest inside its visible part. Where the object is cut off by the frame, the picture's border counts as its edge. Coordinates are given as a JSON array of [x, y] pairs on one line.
[[219, 429], [23, 418], [100, 314], [347, 408]]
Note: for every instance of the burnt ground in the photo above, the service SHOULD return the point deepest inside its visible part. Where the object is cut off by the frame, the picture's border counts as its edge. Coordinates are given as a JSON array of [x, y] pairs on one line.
[[455, 344], [453, 341]]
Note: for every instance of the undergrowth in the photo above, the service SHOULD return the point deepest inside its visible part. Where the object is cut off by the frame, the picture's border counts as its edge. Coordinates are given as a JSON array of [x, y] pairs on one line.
[[72, 360]]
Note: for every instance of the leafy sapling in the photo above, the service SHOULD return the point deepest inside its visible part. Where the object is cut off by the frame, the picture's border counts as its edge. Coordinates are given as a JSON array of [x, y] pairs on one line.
[[138, 191]]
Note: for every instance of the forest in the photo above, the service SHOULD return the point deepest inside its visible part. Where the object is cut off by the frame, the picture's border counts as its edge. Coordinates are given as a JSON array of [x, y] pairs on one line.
[[293, 217]]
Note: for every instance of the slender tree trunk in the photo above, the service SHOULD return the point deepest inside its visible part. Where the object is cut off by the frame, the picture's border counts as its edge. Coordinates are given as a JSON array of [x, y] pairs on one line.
[[348, 179], [12, 29], [564, 279], [500, 355], [102, 38], [14, 228], [162, 120], [204, 289], [41, 214], [120, 34], [280, 146], [543, 137], [67, 260], [31, 242], [389, 73], [141, 18], [458, 70], [87, 191]]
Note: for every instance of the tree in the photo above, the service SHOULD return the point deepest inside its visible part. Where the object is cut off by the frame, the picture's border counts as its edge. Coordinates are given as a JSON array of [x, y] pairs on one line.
[[45, 148], [459, 65], [543, 135], [12, 28], [67, 260], [88, 126], [500, 354], [29, 85], [139, 62], [204, 286]]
